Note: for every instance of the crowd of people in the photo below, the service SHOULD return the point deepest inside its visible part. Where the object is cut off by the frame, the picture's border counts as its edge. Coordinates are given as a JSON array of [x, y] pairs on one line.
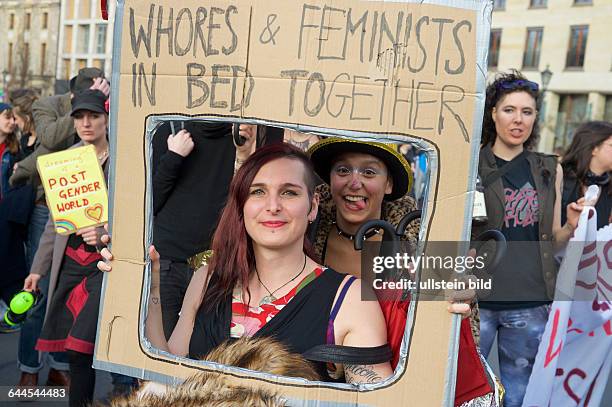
[[271, 252], [61, 328]]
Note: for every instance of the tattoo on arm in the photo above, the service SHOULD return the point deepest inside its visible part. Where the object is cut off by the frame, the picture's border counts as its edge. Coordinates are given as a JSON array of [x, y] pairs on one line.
[[361, 374], [155, 300]]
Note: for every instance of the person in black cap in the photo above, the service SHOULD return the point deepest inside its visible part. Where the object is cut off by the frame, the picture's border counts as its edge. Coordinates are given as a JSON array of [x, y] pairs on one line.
[[55, 131], [75, 282]]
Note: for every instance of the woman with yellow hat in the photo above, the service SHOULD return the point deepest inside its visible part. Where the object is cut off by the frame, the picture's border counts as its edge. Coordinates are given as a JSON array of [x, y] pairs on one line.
[[366, 181]]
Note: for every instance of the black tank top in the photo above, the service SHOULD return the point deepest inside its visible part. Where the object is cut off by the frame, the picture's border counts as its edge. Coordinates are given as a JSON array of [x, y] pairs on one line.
[[300, 325]]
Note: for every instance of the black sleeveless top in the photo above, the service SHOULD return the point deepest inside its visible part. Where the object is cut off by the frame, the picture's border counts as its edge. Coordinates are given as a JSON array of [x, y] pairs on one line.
[[300, 325]]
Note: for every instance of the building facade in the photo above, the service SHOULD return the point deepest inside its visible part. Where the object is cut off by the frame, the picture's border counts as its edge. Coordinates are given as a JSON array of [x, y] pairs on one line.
[[28, 51], [573, 39], [85, 39]]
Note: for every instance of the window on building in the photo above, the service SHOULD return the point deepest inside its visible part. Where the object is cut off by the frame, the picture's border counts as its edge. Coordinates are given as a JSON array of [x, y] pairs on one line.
[[69, 9], [43, 58], [577, 46], [68, 39], [81, 63], [12, 21], [499, 4], [45, 20], [494, 43], [83, 39], [101, 38], [537, 3], [28, 20], [67, 71], [84, 9], [10, 56], [533, 44], [573, 111], [583, 1]]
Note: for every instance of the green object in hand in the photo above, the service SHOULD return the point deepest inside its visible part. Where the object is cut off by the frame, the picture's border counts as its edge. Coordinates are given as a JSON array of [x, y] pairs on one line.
[[20, 304]]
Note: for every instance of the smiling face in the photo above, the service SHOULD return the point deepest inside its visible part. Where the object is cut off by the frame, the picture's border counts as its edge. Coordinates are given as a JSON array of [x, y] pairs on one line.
[[358, 184], [7, 122], [90, 126], [514, 117], [278, 208]]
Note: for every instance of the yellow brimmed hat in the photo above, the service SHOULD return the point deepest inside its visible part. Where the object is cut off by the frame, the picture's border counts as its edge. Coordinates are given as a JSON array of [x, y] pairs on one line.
[[323, 153]]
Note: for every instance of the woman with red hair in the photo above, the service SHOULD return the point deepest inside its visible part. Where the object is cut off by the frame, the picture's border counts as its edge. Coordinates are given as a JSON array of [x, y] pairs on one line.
[[263, 281]]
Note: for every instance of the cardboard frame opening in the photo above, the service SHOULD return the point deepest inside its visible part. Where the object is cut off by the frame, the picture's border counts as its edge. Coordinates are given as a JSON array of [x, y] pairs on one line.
[[137, 95]]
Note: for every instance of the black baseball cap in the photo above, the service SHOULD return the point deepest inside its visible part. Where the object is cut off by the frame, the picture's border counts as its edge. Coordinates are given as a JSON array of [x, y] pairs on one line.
[[92, 100]]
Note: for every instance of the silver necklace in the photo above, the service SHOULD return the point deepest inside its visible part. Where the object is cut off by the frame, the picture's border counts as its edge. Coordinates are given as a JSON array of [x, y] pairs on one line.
[[270, 297]]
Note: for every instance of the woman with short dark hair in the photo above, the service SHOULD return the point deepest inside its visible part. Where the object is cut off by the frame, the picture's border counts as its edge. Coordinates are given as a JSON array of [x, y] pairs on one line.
[[523, 200]]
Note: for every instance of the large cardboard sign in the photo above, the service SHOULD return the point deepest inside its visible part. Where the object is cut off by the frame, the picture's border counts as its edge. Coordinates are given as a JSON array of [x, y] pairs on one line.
[[394, 70], [74, 188]]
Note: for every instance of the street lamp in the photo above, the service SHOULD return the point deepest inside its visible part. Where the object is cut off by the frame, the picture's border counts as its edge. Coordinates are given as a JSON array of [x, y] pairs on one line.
[[545, 76]]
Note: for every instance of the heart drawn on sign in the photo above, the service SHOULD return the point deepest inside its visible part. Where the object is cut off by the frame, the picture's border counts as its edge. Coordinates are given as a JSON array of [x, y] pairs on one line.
[[94, 212]]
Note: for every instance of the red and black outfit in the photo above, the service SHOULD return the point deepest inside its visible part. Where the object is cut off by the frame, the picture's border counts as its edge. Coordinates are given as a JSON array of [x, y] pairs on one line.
[[74, 307], [73, 302]]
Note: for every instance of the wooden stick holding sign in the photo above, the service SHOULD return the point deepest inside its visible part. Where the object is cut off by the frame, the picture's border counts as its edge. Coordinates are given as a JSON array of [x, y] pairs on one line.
[[74, 188]]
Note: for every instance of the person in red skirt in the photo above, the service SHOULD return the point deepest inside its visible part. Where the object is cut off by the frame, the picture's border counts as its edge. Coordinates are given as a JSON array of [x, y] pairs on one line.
[[75, 284]]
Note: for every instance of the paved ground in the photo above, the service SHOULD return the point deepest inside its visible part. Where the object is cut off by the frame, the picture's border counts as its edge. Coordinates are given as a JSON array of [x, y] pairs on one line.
[[9, 375]]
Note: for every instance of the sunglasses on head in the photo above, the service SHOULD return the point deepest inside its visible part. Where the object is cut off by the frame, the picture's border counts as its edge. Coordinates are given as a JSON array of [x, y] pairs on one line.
[[519, 84]]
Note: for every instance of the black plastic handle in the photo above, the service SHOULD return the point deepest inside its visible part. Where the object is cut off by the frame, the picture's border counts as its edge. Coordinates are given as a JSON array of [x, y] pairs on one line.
[[374, 223], [407, 220], [502, 245]]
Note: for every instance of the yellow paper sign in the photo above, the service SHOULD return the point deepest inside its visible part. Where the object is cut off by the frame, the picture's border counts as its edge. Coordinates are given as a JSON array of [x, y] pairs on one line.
[[75, 188]]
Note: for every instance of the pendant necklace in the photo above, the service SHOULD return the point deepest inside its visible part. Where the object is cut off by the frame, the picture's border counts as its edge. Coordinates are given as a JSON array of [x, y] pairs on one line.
[[270, 298]]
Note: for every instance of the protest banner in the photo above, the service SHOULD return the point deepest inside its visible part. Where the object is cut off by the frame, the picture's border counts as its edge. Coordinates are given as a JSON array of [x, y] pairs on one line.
[[74, 188], [574, 359], [387, 70]]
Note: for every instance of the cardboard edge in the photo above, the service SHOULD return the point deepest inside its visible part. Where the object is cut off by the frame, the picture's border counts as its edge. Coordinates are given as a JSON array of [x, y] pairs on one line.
[[112, 135]]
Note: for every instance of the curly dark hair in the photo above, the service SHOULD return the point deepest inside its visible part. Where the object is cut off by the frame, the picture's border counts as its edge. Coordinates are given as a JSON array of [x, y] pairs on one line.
[[495, 93]]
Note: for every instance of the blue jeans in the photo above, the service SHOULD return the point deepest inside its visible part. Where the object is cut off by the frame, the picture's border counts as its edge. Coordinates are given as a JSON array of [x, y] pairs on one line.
[[30, 360], [38, 220], [519, 332]]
